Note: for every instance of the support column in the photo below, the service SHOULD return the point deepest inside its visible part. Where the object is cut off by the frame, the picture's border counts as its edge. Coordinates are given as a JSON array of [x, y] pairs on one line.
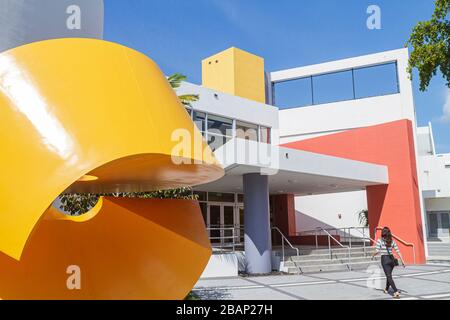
[[258, 245]]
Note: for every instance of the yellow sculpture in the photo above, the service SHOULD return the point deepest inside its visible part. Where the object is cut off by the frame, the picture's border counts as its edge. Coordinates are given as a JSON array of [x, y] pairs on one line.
[[86, 115]]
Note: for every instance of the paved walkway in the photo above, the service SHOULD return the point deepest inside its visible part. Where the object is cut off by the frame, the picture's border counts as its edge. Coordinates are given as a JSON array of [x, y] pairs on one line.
[[416, 282]]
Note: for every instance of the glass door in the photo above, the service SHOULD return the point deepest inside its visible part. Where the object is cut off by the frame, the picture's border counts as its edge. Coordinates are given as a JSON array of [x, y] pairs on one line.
[[228, 224], [214, 218], [240, 224], [433, 225], [445, 225], [439, 224], [224, 223]]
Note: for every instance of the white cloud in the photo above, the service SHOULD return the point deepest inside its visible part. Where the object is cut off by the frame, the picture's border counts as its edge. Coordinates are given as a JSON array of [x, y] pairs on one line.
[[446, 109]]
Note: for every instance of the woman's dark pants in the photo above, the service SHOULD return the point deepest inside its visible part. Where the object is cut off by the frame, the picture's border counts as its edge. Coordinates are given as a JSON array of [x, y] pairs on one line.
[[388, 266]]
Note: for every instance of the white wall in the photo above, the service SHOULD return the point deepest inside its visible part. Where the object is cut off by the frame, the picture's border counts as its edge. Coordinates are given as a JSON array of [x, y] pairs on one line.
[[435, 174], [323, 210], [425, 141], [309, 122], [221, 265]]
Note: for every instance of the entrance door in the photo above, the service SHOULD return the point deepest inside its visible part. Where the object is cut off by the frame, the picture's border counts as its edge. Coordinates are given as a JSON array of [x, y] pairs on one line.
[[228, 224], [445, 225], [439, 224], [223, 225], [214, 214], [433, 225], [240, 225]]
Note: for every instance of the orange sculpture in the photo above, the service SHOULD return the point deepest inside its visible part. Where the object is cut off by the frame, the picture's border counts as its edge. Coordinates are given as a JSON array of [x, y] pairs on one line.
[[84, 115]]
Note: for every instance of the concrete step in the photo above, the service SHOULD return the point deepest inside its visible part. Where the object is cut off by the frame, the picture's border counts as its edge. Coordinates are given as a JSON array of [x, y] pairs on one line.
[[333, 267], [323, 251], [439, 252], [439, 249], [354, 243], [305, 263], [323, 257]]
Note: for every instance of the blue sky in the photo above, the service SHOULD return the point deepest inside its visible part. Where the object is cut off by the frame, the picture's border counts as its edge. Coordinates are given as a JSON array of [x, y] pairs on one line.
[[178, 34]]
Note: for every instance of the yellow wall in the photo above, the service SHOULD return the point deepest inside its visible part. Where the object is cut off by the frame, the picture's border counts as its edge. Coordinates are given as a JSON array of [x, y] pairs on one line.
[[236, 72]]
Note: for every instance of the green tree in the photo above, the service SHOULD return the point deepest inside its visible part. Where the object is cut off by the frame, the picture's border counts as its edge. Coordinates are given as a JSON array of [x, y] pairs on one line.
[[430, 41], [78, 204]]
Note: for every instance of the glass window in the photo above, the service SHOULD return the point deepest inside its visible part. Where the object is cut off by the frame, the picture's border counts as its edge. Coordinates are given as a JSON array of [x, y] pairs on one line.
[[215, 141], [246, 131], [376, 81], [265, 135], [204, 209], [220, 197], [220, 125], [240, 198], [201, 195], [199, 120], [293, 93], [333, 87]]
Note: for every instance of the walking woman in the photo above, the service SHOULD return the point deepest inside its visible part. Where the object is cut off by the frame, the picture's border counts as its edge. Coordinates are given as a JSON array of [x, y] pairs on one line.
[[385, 246]]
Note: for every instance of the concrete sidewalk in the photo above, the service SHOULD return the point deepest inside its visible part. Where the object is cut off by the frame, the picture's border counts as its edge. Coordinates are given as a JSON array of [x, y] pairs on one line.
[[415, 282]]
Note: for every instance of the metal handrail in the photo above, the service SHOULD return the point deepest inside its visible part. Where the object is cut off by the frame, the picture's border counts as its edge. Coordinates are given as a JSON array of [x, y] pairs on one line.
[[365, 237], [408, 244], [223, 243], [346, 233], [339, 243], [284, 239]]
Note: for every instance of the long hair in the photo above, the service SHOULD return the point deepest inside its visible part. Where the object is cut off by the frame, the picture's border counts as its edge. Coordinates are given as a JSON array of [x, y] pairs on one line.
[[386, 234]]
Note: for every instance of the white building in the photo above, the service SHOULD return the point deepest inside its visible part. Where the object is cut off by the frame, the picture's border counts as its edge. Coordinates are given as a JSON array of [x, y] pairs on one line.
[[342, 138]]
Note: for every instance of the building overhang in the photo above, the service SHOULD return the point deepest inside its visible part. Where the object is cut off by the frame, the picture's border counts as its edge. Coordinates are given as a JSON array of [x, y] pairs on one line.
[[292, 171]]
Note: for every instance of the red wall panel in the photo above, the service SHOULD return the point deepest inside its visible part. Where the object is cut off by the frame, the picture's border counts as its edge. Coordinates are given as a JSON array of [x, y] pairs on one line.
[[395, 205]]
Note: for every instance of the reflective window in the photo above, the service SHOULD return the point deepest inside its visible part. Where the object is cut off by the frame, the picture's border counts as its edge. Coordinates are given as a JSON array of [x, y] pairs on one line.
[[201, 195], [220, 125], [246, 131], [204, 209], [199, 120], [356, 83], [265, 135], [333, 87], [220, 197], [215, 141], [376, 81], [293, 93]]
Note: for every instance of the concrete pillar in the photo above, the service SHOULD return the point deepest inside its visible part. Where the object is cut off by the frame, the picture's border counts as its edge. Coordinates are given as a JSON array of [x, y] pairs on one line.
[[258, 245]]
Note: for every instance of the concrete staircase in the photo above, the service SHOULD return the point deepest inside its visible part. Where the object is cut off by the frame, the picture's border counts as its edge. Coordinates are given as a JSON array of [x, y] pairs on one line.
[[438, 251], [312, 260]]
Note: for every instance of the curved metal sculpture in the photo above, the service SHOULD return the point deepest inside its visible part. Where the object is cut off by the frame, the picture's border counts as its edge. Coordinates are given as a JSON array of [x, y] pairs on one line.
[[84, 115]]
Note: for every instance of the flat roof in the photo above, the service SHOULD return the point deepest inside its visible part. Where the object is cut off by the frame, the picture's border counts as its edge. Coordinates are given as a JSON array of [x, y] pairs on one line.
[[292, 171]]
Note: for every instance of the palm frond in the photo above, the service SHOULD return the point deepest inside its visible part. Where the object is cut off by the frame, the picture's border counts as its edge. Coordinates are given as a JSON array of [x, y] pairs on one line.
[[176, 79], [363, 217], [187, 99]]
